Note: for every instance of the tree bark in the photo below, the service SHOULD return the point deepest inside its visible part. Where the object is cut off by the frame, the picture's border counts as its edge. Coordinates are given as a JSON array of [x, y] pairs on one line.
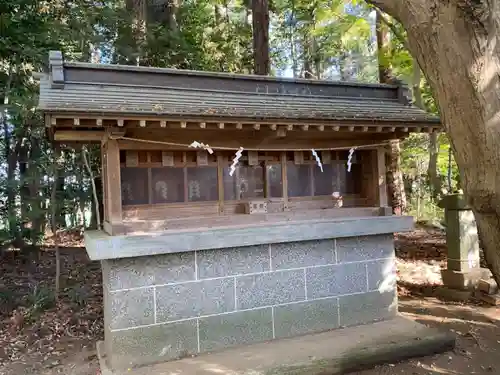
[[432, 170], [53, 207], [395, 182], [260, 25], [455, 43], [381, 31]]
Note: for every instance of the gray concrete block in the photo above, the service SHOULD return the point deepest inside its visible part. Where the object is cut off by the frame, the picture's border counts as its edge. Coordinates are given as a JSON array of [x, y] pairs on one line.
[[355, 249], [242, 327], [269, 289], [131, 308], [305, 317], [336, 280], [100, 245], [145, 345], [367, 308], [232, 261], [382, 274], [193, 299], [144, 271], [302, 254]]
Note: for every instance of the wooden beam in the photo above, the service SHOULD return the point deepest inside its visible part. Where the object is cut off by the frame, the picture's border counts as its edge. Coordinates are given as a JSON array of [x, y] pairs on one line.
[[281, 132], [163, 123], [221, 125], [220, 182], [111, 181], [79, 135], [183, 124], [381, 172], [53, 121], [120, 122], [239, 126], [284, 180]]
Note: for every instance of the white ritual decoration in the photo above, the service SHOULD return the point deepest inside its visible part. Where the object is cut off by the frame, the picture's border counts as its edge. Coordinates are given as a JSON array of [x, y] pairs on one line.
[[197, 144], [194, 190], [236, 159], [349, 159], [161, 188], [318, 160]]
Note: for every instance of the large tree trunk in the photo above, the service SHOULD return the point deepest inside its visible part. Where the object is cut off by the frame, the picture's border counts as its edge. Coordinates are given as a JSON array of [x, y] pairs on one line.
[[260, 24], [456, 45]]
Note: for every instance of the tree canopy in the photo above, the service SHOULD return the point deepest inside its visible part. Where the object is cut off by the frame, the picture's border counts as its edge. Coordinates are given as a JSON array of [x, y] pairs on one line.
[[327, 39]]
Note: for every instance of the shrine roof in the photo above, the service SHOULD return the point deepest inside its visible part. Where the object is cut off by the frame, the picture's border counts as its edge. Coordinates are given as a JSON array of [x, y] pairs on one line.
[[107, 89]]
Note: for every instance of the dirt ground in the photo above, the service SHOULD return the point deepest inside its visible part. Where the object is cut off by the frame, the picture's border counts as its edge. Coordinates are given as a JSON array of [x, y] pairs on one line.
[[39, 337]]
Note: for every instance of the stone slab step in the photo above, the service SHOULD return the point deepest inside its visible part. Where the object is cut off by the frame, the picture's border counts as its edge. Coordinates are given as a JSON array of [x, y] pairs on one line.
[[333, 352], [488, 286], [493, 299]]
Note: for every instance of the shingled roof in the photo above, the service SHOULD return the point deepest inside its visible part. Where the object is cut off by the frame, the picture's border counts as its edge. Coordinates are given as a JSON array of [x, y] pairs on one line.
[[105, 89]]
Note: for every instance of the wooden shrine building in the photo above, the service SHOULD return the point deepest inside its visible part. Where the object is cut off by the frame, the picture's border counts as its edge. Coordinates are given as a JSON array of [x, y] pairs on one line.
[[237, 208]]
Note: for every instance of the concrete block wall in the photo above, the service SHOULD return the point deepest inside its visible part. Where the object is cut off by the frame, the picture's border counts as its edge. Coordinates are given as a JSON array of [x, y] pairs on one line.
[[168, 306]]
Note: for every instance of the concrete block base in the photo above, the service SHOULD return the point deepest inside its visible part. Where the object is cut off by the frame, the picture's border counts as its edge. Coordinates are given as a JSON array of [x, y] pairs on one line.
[[464, 280], [457, 295], [164, 307], [332, 352]]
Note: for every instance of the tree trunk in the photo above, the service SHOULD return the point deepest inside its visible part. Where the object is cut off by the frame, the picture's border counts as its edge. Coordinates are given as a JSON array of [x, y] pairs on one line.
[[260, 25], [53, 206], [95, 209], [382, 33], [432, 171], [456, 46], [395, 182]]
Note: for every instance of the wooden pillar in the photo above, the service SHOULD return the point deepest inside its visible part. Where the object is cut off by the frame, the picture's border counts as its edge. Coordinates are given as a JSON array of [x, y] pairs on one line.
[[382, 182], [284, 179], [112, 193]]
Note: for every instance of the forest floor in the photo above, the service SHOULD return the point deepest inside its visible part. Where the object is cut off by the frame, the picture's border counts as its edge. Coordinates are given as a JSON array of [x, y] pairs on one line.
[[38, 336]]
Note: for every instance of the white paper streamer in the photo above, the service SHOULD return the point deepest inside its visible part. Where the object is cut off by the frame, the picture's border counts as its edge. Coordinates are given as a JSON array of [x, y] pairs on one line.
[[197, 144], [318, 160], [349, 159], [235, 161]]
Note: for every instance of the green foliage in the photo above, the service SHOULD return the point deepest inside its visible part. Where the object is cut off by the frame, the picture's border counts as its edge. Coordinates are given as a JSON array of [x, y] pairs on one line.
[[41, 299], [328, 39]]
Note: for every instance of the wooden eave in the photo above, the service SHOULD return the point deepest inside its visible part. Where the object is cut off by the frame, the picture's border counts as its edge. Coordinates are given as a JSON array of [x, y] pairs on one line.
[[83, 101]]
